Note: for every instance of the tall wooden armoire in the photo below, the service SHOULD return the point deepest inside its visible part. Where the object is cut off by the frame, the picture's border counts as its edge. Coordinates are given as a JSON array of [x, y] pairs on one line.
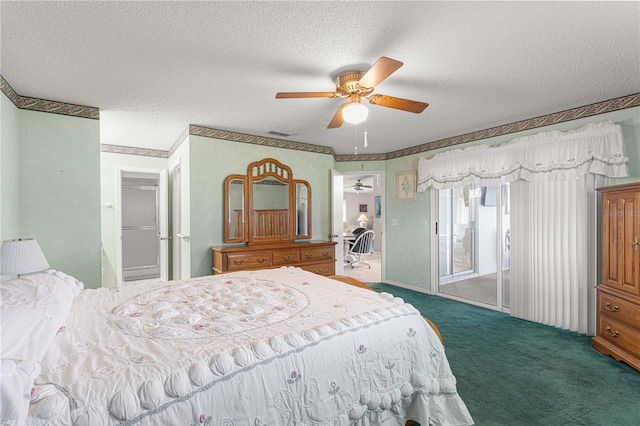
[[619, 289]]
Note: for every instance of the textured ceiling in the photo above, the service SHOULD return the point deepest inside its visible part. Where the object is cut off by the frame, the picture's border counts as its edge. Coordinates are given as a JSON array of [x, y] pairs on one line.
[[154, 67]]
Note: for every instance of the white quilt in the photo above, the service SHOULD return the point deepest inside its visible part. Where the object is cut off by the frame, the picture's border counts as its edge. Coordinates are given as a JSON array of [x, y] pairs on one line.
[[272, 347]]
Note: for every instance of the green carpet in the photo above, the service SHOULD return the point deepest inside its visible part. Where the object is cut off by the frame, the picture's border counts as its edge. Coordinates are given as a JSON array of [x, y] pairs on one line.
[[515, 372]]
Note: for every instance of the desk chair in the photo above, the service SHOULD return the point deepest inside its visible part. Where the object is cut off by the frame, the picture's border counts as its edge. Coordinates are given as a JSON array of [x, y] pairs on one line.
[[361, 246]]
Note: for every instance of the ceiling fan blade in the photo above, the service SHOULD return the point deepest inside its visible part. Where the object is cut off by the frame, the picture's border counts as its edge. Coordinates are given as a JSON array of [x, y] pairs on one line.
[[382, 69], [337, 119], [292, 95], [398, 103]]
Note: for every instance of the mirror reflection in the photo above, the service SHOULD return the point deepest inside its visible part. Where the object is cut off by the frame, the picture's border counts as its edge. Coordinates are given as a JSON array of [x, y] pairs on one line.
[[302, 209], [235, 209], [270, 208]]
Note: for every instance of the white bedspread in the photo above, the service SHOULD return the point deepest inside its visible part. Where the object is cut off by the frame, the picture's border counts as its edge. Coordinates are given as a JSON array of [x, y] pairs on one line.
[[272, 347]]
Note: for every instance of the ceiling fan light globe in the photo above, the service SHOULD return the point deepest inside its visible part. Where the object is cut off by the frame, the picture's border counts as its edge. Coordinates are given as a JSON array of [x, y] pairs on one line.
[[354, 113]]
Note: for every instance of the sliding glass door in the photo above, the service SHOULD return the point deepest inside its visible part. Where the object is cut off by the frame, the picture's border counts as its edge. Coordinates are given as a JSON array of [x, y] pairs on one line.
[[456, 233], [473, 240]]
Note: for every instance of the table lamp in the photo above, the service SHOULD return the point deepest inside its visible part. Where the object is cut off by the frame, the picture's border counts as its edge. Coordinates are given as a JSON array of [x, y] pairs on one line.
[[22, 256], [363, 220]]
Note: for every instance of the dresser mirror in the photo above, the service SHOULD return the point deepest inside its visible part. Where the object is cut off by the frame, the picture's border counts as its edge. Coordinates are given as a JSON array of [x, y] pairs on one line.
[[266, 205], [303, 209], [270, 202], [235, 225]]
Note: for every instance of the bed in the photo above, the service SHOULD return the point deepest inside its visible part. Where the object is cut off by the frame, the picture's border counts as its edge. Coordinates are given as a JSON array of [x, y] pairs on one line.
[[269, 347]]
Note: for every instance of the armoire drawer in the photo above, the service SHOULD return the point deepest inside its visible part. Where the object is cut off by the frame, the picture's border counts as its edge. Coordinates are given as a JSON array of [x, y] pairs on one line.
[[619, 309], [619, 335], [242, 261]]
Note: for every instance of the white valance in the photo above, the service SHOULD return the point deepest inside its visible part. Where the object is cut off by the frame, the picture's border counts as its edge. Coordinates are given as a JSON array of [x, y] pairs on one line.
[[595, 148]]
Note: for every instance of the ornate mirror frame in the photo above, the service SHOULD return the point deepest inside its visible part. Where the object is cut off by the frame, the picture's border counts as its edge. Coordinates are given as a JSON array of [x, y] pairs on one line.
[[269, 212]]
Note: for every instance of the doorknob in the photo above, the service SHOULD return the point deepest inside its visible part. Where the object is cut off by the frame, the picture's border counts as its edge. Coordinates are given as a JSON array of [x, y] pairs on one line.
[[333, 235]]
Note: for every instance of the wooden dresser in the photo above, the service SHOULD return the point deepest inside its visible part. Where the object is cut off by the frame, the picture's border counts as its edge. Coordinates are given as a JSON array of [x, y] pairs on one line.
[[313, 256], [619, 291]]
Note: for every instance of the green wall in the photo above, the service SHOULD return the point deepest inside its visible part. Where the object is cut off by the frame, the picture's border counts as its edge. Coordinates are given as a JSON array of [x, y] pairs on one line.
[[211, 160], [53, 162], [52, 187], [9, 175]]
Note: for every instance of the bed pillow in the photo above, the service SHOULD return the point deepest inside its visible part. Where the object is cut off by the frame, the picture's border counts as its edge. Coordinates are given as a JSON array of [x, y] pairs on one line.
[[32, 310], [76, 285]]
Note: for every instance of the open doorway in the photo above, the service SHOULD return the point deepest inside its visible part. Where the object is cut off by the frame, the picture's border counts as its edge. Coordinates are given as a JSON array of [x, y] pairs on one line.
[[360, 208], [141, 225]]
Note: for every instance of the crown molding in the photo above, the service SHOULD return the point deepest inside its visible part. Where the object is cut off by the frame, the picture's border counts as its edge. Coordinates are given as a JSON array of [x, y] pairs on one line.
[[43, 105]]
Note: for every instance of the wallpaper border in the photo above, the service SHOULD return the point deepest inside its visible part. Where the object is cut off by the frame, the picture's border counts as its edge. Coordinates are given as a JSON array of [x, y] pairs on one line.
[[131, 150], [531, 123], [209, 132], [43, 105]]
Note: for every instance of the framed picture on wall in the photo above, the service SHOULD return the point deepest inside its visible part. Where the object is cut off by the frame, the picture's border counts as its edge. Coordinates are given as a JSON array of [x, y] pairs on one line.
[[378, 206], [363, 208], [406, 185]]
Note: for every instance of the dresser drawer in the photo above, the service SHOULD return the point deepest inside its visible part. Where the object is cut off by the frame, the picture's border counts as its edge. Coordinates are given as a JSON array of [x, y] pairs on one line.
[[286, 257], [256, 259], [619, 335], [324, 268], [619, 310], [311, 254]]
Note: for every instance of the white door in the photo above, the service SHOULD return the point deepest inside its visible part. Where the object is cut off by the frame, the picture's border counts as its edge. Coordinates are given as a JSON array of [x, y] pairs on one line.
[[337, 195], [176, 223], [163, 234], [141, 224]]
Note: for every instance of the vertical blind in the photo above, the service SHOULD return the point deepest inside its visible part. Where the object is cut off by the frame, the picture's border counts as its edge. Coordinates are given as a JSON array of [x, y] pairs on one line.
[[552, 213]]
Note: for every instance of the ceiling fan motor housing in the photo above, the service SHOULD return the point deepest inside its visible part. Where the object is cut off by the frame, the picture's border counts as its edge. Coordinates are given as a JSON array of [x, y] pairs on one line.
[[348, 84]]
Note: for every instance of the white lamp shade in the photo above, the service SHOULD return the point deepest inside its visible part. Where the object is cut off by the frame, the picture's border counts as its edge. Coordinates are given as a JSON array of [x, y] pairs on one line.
[[354, 113], [363, 218], [22, 257]]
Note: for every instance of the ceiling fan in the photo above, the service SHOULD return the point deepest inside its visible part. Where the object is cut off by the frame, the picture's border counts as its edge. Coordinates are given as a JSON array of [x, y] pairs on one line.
[[356, 85], [359, 186]]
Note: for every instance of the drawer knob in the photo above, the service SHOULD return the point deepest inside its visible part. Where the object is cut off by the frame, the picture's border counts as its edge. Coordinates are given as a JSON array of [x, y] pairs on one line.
[[614, 334], [238, 262], [613, 308], [309, 255], [325, 253], [286, 257], [261, 260]]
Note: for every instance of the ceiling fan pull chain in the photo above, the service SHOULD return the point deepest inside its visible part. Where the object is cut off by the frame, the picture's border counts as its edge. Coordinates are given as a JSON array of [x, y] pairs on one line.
[[366, 143]]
